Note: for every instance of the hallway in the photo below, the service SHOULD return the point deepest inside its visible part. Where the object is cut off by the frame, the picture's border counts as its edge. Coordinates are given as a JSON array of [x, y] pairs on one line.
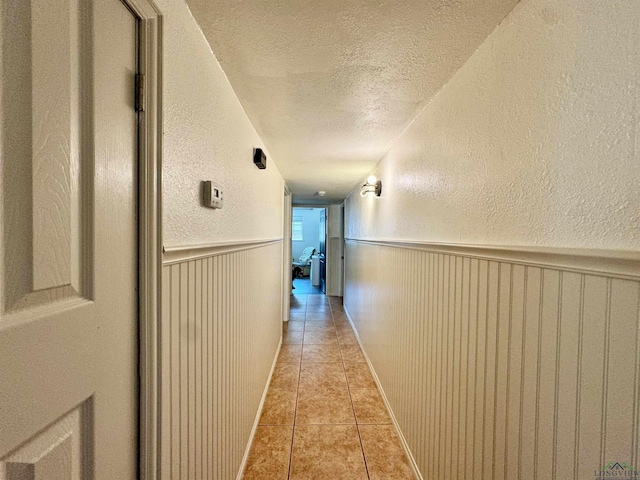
[[474, 168], [323, 416]]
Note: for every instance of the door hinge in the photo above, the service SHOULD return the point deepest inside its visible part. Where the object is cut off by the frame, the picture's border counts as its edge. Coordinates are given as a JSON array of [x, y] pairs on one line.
[[140, 92]]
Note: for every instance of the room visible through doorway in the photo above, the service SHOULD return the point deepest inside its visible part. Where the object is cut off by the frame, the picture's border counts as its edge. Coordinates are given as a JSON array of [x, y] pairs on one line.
[[308, 249]]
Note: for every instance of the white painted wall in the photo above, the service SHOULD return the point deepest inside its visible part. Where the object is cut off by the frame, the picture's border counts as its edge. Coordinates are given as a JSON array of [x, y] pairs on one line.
[[495, 368], [310, 230], [533, 142], [225, 351], [207, 136], [335, 251]]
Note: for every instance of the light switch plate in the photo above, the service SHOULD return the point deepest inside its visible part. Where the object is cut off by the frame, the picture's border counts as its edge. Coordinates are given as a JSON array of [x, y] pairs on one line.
[[212, 195]]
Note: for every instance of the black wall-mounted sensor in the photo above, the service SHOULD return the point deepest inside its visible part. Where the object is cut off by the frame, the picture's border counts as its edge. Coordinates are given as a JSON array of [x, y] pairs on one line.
[[259, 158]]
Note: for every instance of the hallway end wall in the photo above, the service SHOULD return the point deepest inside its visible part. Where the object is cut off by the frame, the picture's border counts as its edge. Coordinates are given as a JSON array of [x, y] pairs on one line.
[[222, 275], [512, 362]]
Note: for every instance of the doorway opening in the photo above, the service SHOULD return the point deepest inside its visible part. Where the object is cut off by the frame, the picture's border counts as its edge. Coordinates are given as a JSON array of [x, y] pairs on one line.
[[309, 250]]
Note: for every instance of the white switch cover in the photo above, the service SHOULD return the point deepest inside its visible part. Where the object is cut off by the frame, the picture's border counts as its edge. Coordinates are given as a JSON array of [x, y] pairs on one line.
[[212, 195]]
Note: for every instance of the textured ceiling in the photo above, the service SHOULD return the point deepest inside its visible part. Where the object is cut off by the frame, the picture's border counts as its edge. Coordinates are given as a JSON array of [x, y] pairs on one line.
[[329, 84]]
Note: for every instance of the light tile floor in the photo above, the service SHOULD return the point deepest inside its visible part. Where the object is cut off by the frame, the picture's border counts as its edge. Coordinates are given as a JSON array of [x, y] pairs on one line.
[[303, 286], [323, 417]]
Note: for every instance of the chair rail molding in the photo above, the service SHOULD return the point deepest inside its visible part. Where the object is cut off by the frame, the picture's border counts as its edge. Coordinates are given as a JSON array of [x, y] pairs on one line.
[[183, 253], [617, 263]]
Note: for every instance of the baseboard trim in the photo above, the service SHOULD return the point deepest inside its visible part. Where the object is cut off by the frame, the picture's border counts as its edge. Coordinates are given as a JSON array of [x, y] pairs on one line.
[[245, 457], [184, 253], [394, 421], [624, 264]]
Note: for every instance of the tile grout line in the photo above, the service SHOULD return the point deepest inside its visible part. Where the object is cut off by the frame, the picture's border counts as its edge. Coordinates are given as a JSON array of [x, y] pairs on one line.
[[332, 309], [295, 409], [355, 418]]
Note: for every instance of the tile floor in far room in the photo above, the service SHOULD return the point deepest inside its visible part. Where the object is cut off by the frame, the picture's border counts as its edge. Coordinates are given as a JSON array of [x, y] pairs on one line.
[[303, 286], [323, 417]]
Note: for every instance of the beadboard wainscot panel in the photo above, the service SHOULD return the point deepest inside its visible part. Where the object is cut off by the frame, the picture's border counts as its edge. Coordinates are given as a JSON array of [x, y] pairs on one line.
[[221, 331], [502, 363]]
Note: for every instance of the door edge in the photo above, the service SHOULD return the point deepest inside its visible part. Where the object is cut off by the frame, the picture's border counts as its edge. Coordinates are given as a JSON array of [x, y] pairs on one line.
[[149, 235]]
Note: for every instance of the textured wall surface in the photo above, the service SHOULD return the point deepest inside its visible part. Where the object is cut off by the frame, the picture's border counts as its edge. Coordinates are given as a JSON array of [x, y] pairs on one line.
[[207, 136], [533, 142], [221, 315], [221, 327], [329, 84], [509, 369], [498, 368]]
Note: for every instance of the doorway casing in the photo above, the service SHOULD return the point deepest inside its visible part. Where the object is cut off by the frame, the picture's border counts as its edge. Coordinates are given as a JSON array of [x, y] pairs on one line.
[[286, 250], [334, 254], [150, 231]]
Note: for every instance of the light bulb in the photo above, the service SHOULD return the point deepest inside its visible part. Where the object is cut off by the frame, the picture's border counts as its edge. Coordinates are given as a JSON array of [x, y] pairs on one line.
[[363, 192], [371, 180]]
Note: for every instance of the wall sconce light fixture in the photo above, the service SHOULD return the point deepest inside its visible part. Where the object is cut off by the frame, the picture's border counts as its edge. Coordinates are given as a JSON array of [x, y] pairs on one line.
[[372, 186]]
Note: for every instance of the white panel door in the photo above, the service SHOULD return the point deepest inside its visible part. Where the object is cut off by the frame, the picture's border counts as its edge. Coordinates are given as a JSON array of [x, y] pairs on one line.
[[68, 306]]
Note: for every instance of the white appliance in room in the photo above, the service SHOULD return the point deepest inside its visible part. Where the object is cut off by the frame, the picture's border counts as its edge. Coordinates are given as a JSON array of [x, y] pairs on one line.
[[315, 270]]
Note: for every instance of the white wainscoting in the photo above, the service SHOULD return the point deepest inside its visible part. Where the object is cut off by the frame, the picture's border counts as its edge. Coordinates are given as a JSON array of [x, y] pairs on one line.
[[499, 363], [220, 332]]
